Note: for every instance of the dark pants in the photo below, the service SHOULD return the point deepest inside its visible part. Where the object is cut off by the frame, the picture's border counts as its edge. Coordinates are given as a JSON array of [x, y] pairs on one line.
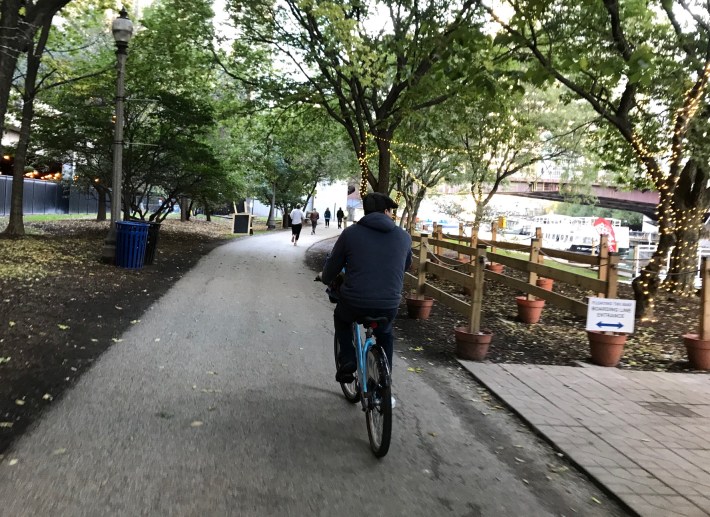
[[313, 226], [296, 230], [340, 222], [343, 318], [327, 222]]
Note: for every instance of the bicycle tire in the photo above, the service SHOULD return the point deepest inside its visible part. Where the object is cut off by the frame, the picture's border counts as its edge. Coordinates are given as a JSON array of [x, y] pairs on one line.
[[350, 389], [379, 407]]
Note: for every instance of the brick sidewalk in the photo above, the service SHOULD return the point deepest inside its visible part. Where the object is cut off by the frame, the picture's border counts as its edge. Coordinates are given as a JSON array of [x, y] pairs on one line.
[[645, 436]]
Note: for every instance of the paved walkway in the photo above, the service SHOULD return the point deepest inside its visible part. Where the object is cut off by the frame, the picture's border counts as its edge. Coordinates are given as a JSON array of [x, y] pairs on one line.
[[645, 436], [221, 401]]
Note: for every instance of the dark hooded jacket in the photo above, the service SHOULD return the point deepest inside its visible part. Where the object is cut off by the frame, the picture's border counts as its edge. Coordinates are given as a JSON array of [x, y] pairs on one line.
[[375, 252]]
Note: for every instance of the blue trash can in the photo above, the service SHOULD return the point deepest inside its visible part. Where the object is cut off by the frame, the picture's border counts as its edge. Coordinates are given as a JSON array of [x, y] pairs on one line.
[[131, 240]]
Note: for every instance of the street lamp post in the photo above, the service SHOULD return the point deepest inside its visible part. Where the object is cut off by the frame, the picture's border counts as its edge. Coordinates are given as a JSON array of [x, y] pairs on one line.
[[122, 29]]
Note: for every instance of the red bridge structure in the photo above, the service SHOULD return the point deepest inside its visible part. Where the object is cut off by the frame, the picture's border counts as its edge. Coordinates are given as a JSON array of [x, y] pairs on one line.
[[644, 202]]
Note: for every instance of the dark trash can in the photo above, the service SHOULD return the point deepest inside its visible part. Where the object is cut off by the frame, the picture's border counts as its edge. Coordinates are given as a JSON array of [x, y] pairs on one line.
[[131, 240], [152, 244]]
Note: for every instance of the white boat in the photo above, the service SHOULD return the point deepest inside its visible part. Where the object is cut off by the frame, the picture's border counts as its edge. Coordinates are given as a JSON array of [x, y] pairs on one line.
[[578, 234]]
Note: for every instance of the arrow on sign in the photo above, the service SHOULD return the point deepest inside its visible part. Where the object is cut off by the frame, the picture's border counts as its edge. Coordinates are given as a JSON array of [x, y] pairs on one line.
[[617, 325]]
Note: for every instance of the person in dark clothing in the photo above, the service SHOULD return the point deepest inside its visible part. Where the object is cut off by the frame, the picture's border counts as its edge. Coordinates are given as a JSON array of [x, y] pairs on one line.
[[326, 216], [340, 214], [314, 216], [375, 253]]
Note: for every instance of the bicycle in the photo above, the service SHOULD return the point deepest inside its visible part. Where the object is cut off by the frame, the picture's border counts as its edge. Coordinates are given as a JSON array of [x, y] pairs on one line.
[[372, 386]]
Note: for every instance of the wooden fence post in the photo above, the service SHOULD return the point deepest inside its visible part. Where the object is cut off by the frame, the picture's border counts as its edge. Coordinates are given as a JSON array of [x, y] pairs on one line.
[[494, 235], [612, 277], [538, 236], [477, 289], [704, 331], [603, 261], [439, 235], [534, 258], [458, 253], [421, 267]]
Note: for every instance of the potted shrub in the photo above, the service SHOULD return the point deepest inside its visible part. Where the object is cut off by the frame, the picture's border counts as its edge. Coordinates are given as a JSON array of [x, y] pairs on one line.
[[419, 306], [495, 267], [606, 347], [529, 308], [472, 345], [698, 351], [544, 283]]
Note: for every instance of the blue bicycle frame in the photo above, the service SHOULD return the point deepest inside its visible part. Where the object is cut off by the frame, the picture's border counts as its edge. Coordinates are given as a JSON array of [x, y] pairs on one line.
[[361, 351]]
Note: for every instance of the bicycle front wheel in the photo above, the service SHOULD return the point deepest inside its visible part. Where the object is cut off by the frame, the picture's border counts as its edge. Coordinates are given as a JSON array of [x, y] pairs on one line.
[[350, 389], [379, 407]]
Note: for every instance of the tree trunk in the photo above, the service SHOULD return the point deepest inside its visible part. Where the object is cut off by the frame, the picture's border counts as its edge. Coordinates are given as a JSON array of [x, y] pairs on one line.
[[10, 44], [691, 201], [16, 226], [383, 163], [15, 33], [684, 257], [646, 285], [103, 197]]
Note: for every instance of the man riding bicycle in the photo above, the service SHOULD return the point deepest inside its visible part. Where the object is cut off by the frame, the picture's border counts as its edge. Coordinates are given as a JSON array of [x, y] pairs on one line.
[[375, 252]]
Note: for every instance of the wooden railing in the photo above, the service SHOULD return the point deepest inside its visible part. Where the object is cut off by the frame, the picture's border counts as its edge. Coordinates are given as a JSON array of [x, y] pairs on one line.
[[468, 270]]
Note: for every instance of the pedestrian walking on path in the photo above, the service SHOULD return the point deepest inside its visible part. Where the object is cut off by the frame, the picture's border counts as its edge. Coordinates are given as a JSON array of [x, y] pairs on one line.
[[339, 214], [296, 224], [326, 216], [314, 220]]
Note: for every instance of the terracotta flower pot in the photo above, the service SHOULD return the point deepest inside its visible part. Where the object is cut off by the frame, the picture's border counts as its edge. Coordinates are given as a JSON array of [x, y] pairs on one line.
[[529, 311], [606, 349], [472, 346], [698, 351], [545, 283], [418, 306], [495, 267]]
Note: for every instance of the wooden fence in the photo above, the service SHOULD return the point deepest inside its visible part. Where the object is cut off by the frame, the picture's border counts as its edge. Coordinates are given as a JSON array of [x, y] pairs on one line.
[[467, 269]]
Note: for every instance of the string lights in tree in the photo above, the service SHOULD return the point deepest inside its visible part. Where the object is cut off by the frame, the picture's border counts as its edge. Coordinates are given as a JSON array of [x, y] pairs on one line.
[[669, 220]]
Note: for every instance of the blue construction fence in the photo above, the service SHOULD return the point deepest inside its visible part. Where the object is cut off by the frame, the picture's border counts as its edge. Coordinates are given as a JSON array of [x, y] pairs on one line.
[[49, 197]]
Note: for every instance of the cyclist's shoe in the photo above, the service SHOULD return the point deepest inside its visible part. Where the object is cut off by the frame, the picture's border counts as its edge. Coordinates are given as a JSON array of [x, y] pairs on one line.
[[394, 402], [345, 373]]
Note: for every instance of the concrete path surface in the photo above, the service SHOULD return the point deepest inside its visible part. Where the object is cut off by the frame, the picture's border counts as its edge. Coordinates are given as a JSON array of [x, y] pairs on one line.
[[221, 400], [644, 435]]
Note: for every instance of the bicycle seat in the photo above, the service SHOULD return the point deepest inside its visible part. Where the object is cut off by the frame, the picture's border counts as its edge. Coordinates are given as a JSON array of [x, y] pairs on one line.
[[369, 322]]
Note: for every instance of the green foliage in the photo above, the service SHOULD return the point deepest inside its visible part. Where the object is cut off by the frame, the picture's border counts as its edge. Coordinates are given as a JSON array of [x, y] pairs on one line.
[[169, 112], [369, 71], [295, 150]]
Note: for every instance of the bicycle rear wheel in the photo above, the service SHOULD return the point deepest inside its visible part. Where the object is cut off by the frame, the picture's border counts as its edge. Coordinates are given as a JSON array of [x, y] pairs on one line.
[[379, 407], [350, 390]]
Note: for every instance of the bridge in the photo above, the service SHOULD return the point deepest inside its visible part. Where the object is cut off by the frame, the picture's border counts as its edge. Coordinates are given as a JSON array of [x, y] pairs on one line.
[[644, 202]]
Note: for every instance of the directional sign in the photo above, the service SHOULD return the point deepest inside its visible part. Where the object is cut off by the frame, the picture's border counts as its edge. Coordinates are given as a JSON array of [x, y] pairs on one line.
[[609, 314]]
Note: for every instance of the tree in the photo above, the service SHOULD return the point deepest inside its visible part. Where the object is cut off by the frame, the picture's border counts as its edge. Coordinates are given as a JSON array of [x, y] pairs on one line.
[[51, 76], [367, 76], [168, 117], [643, 67], [19, 21], [282, 155]]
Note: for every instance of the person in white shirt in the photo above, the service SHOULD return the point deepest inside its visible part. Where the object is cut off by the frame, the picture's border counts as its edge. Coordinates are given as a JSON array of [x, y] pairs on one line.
[[296, 223]]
